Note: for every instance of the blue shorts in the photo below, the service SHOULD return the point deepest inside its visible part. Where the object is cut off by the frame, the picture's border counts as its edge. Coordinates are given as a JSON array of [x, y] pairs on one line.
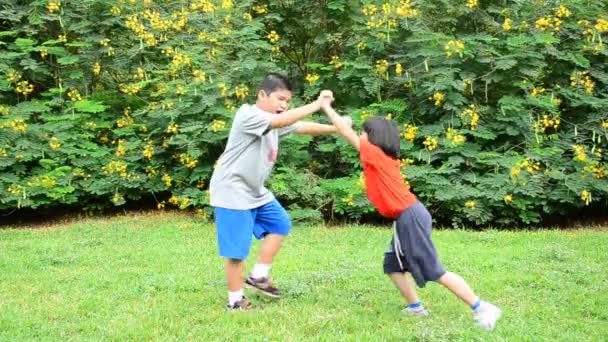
[[235, 228]]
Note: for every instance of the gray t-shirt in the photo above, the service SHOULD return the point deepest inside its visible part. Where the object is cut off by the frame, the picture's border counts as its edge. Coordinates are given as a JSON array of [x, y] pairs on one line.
[[241, 171]]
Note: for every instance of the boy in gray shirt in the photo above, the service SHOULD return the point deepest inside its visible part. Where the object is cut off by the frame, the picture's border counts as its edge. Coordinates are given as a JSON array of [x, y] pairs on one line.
[[243, 206]]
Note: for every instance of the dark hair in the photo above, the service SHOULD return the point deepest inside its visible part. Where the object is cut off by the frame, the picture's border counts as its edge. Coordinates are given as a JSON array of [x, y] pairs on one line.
[[273, 82], [384, 134]]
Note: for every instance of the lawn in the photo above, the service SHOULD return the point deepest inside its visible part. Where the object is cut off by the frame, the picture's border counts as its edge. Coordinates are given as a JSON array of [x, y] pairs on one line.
[[158, 277]]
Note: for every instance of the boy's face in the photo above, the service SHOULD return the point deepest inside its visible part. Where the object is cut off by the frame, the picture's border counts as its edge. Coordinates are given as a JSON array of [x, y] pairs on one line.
[[275, 102]]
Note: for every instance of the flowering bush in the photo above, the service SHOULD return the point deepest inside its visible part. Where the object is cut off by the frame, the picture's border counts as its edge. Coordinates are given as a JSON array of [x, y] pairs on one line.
[[502, 108]]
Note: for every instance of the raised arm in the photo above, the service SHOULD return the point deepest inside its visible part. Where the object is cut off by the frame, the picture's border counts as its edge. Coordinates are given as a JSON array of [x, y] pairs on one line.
[[342, 125], [294, 115]]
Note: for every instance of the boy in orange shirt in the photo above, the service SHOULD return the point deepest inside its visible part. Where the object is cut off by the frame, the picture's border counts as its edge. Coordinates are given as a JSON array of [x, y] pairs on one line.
[[411, 250]]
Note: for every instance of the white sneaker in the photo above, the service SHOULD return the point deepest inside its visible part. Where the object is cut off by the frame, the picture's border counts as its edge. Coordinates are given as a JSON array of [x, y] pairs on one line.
[[415, 312], [486, 316]]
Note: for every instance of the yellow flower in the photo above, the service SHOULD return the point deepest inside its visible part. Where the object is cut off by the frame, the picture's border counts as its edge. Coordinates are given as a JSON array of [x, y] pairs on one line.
[[562, 12], [260, 9], [601, 25], [13, 76], [604, 124], [381, 66], [188, 161], [548, 121], [97, 69], [369, 10], [172, 128], [507, 24], [430, 143], [438, 99], [115, 10], [241, 91], [17, 125], [24, 87], [453, 136], [227, 4], [406, 10], [508, 199], [44, 53], [335, 61], [53, 6], [217, 125], [582, 78], [201, 213], [247, 17], [453, 47], [580, 152], [184, 203], [470, 204], [4, 110], [229, 104], [166, 179], [471, 3], [54, 143], [199, 76], [536, 91], [117, 198], [471, 114], [273, 37], [222, 88], [74, 95], [398, 69], [180, 90], [149, 150], [586, 196], [174, 200], [410, 132], [161, 205], [120, 149], [15, 190], [115, 166], [62, 38], [129, 89], [312, 78]]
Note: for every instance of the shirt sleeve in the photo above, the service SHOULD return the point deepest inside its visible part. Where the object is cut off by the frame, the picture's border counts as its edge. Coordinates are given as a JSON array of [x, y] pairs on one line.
[[254, 121], [289, 129], [368, 153]]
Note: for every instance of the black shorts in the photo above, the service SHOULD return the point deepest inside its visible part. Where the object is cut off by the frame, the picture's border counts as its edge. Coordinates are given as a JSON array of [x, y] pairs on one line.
[[417, 252]]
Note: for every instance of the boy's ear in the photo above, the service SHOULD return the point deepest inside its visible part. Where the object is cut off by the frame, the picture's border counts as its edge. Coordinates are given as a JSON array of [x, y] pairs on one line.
[[262, 94]]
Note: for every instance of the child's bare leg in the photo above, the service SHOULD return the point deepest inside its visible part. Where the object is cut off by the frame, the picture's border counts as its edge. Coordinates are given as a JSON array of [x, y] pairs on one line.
[[233, 269], [459, 287], [270, 248], [402, 283], [484, 313]]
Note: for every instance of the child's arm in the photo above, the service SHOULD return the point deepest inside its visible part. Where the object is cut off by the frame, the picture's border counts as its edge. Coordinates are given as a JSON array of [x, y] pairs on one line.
[[342, 125], [314, 129], [294, 115]]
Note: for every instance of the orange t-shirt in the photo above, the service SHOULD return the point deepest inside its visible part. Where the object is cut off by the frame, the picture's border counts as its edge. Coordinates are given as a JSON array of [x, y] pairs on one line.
[[383, 183]]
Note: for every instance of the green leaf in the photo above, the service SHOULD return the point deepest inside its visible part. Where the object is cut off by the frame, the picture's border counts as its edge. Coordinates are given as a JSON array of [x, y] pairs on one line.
[[24, 44], [90, 106], [67, 60], [8, 33], [505, 64]]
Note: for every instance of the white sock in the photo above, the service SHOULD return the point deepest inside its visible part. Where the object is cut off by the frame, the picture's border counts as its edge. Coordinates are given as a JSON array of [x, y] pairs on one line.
[[260, 271], [235, 296]]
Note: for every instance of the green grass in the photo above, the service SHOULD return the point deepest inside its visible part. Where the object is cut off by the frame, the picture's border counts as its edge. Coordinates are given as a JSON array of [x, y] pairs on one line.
[[158, 277]]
